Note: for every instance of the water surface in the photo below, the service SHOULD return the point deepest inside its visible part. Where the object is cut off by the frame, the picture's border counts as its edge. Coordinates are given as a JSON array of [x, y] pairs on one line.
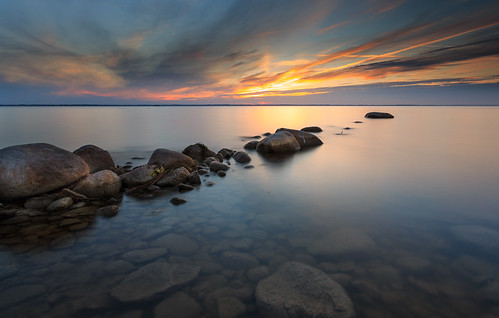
[[422, 188]]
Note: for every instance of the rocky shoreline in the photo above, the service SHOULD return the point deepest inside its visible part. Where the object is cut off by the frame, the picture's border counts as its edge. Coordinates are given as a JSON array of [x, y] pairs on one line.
[[49, 193]]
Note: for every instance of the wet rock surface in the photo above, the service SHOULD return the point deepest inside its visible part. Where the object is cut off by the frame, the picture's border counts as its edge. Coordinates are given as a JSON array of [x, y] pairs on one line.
[[280, 142], [153, 279], [96, 158], [241, 157], [378, 115], [169, 159], [32, 169], [102, 184], [299, 290], [304, 139]]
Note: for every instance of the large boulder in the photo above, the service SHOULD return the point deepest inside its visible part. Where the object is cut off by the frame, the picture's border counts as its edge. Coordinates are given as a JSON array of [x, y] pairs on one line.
[[153, 279], [171, 159], [32, 169], [96, 158], [297, 290], [173, 177], [102, 184], [305, 139], [198, 152], [279, 142], [378, 115]]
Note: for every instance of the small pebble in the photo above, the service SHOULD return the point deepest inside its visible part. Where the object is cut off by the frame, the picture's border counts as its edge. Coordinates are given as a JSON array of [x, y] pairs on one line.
[[178, 201]]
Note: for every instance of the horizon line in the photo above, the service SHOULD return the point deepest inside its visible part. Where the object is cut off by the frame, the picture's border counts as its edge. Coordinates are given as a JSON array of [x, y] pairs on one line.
[[250, 104]]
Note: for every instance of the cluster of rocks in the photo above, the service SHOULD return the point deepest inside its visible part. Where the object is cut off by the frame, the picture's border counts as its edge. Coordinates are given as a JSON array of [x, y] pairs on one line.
[[286, 140], [45, 177]]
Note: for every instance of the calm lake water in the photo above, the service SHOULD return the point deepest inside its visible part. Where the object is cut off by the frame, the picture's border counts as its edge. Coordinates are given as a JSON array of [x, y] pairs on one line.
[[402, 212]]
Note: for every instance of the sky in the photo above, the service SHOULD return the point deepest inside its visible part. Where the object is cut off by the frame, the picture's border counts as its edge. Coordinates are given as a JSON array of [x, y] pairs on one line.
[[249, 52]]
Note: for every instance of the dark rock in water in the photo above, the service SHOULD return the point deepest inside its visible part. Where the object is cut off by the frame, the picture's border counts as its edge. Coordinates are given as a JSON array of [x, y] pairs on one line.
[[226, 153], [96, 158], [341, 242], [108, 211], [178, 201], [198, 152], [137, 158], [221, 173], [305, 139], [313, 129], [241, 157], [251, 145], [60, 204], [102, 184], [193, 178], [33, 169], [177, 244], [378, 115], [266, 134], [347, 128], [153, 279], [202, 171], [169, 159], [249, 167], [178, 305], [15, 295], [357, 122], [174, 177], [299, 290], [216, 166], [210, 184], [139, 175], [185, 187], [219, 157], [238, 261], [209, 160], [39, 203], [251, 137], [230, 307], [279, 142]]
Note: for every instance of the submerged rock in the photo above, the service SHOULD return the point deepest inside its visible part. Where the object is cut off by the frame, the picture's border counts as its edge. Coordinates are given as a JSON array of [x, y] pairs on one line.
[[33, 169], [305, 139], [153, 279], [108, 211], [279, 142], [298, 290], [241, 157], [96, 158], [198, 152], [477, 235], [313, 129], [238, 261], [178, 201], [344, 241], [178, 305], [102, 184], [171, 159], [378, 115]]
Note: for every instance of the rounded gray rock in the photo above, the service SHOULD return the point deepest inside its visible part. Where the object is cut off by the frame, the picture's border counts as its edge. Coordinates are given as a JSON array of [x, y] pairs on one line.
[[378, 115], [102, 184], [139, 176], [171, 159], [152, 279], [216, 166], [174, 177], [198, 152], [297, 290], [241, 157], [251, 145], [60, 204], [280, 142], [305, 139], [96, 158], [32, 169], [314, 129]]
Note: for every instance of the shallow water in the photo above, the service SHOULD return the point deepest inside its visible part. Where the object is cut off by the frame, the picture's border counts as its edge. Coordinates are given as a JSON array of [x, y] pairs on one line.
[[415, 197]]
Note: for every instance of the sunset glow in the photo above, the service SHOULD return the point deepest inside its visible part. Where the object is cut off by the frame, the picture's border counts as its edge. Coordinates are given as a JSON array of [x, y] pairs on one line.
[[236, 52]]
